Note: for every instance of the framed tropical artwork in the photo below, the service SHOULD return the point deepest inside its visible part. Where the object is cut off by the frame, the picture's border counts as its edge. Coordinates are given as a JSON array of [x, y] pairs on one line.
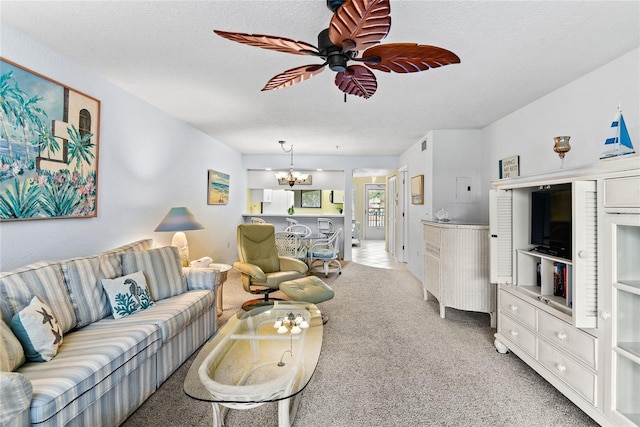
[[218, 188], [49, 136]]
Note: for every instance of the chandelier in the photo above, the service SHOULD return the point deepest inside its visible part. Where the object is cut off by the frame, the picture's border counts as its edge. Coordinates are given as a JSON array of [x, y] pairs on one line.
[[291, 324], [291, 177]]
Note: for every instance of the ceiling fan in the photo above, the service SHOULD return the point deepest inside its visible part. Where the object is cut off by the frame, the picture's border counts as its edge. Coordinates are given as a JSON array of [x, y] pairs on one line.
[[354, 34]]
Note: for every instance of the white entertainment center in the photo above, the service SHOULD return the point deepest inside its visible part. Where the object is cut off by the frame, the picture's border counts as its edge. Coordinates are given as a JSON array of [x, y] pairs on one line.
[[574, 317]]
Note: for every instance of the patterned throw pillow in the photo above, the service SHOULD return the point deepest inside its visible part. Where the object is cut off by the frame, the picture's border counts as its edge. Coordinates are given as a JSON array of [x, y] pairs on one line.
[[128, 294], [38, 331]]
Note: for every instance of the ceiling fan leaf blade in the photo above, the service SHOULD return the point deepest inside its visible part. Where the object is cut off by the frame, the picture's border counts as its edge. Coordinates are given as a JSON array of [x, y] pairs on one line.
[[280, 44], [409, 57], [359, 24], [293, 76], [357, 80]]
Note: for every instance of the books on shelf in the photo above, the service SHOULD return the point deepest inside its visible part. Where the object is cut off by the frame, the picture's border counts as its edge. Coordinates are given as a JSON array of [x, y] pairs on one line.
[[560, 279]]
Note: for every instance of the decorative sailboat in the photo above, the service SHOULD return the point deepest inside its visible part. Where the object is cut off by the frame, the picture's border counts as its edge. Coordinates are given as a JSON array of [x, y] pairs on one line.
[[619, 143]]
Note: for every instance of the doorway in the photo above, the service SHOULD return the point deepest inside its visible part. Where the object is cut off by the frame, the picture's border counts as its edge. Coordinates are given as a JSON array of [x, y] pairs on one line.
[[374, 211]]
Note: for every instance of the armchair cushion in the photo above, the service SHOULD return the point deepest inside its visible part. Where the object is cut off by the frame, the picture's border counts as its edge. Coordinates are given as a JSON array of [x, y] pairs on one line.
[[256, 245], [292, 264], [254, 271]]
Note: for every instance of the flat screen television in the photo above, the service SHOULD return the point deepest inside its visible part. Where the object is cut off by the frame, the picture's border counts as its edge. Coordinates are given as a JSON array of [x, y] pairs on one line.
[[551, 220]]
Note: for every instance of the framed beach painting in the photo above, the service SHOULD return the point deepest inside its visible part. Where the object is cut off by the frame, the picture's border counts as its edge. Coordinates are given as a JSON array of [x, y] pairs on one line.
[[417, 190], [48, 147], [218, 188]]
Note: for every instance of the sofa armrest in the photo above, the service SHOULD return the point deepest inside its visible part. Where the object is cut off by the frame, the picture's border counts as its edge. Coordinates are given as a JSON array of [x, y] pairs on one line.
[[15, 399], [201, 278], [292, 264]]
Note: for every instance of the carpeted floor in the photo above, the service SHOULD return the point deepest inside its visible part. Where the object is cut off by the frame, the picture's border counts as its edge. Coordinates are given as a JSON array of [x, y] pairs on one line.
[[388, 359]]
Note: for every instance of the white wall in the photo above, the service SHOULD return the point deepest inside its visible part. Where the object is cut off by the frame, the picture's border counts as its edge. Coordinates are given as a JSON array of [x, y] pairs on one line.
[[582, 109], [449, 155], [148, 163]]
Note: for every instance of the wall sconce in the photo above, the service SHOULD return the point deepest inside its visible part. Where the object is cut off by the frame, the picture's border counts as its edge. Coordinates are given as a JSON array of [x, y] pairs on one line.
[[291, 178], [180, 219], [561, 147]]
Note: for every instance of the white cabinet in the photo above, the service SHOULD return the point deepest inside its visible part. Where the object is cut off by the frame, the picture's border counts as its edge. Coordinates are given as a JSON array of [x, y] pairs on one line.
[[579, 329], [336, 196], [621, 306], [456, 267], [261, 195]]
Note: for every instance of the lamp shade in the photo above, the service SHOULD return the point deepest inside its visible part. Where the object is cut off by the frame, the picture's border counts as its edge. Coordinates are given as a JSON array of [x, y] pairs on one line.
[[179, 219]]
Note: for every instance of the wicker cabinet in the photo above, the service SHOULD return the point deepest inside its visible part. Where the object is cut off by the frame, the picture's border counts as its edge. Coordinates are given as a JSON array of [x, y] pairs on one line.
[[457, 267]]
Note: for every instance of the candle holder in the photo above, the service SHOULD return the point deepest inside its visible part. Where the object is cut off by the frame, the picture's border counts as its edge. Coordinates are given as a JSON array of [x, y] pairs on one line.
[[561, 147]]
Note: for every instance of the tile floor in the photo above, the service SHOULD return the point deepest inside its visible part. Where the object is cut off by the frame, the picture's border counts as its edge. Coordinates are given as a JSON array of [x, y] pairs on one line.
[[373, 254]]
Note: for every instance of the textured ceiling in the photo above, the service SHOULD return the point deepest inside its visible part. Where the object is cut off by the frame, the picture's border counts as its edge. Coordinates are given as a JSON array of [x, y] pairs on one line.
[[512, 53]]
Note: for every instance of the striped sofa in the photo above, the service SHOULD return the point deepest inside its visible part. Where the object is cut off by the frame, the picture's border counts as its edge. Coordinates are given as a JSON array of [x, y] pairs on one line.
[[105, 368]]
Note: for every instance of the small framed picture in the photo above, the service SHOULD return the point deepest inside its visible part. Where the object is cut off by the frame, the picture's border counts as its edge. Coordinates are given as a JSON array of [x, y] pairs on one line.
[[509, 167], [417, 190], [218, 188]]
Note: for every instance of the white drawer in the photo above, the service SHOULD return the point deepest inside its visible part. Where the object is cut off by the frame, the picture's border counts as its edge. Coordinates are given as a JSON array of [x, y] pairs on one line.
[[576, 342], [517, 333], [432, 236], [568, 370], [518, 309], [622, 192]]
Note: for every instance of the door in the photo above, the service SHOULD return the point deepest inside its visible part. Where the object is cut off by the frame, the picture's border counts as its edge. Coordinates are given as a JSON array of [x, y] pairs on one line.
[[392, 206], [374, 215]]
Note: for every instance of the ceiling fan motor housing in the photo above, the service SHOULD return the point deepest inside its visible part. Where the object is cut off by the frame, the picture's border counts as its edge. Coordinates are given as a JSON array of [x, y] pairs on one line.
[[336, 59]]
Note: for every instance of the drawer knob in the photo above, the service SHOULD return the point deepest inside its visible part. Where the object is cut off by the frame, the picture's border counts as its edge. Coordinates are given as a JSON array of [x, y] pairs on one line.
[[514, 333], [561, 336], [514, 307], [560, 367], [605, 315], [583, 254]]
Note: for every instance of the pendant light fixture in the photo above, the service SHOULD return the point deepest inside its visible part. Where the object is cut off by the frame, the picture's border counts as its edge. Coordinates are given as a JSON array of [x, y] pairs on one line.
[[291, 178]]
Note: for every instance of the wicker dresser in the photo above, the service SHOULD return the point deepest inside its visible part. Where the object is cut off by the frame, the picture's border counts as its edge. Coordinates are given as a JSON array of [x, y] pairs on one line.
[[457, 267]]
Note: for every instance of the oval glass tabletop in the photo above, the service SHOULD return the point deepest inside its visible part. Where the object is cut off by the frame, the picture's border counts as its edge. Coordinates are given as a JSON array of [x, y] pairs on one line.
[[253, 359]]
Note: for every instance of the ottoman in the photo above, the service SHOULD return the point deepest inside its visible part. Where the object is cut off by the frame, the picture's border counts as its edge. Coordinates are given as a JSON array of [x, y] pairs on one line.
[[310, 289]]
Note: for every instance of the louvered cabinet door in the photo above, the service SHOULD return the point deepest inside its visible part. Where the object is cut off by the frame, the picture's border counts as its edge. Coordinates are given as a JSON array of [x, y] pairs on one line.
[[501, 236], [585, 254]]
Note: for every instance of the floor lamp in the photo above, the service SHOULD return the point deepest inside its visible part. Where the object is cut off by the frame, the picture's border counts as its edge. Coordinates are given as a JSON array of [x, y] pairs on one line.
[[180, 219]]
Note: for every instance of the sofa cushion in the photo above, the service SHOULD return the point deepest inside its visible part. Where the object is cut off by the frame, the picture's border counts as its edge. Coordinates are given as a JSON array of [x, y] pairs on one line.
[[89, 364], [162, 267], [44, 280], [15, 399], [11, 352], [171, 315], [90, 302], [38, 331], [127, 294], [111, 262]]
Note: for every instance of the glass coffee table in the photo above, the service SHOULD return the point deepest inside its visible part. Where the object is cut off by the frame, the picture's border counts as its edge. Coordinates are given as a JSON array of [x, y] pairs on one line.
[[248, 363]]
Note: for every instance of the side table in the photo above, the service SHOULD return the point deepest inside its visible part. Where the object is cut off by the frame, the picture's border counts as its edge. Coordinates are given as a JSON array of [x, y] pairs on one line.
[[221, 277]]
